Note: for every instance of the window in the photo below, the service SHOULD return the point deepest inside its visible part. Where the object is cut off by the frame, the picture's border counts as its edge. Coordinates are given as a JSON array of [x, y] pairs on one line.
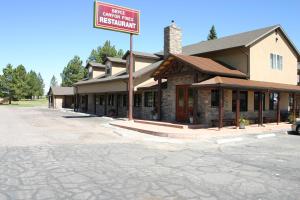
[[111, 100], [273, 101], [276, 61], [124, 100], [101, 103], [137, 100], [149, 99], [99, 100], [214, 98], [256, 101], [243, 101]]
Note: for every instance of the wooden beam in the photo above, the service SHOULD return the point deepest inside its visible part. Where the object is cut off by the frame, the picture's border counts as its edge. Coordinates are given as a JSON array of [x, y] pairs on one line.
[[294, 107], [260, 109], [221, 101], [105, 104], [237, 109], [95, 105], [159, 100], [278, 109], [195, 100]]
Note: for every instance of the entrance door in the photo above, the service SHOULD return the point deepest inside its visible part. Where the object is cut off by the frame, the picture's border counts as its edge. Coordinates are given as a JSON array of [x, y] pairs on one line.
[[184, 103]]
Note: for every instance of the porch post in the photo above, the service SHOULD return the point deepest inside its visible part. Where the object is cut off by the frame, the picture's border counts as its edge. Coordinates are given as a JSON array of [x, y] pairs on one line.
[[294, 107], [237, 109], [260, 108], [105, 104], [195, 102], [221, 107], [95, 97], [278, 108], [159, 96]]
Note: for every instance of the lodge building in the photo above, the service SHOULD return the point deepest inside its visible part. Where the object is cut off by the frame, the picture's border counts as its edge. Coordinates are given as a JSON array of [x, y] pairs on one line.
[[250, 75]]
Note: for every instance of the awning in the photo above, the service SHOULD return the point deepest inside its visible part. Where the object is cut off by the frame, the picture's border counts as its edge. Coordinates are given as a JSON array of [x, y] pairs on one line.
[[236, 83]]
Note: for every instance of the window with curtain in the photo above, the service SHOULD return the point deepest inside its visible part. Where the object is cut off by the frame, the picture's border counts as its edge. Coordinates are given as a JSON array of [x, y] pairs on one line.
[[111, 98], [276, 61], [273, 101]]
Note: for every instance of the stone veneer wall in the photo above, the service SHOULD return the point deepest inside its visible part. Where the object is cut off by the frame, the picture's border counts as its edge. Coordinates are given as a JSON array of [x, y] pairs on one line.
[[169, 95]]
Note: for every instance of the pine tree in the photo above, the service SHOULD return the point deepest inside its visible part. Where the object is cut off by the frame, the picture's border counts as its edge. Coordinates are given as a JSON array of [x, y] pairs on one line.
[[212, 33], [7, 82], [73, 72], [107, 50], [53, 81], [41, 86]]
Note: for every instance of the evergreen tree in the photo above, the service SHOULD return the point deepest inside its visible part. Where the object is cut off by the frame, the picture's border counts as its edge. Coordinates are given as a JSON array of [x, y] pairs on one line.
[[40, 91], [73, 72], [7, 84], [33, 84], [19, 82], [212, 33], [53, 81], [107, 50]]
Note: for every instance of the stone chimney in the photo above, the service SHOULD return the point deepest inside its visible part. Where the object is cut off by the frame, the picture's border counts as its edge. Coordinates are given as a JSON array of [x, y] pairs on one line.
[[172, 40]]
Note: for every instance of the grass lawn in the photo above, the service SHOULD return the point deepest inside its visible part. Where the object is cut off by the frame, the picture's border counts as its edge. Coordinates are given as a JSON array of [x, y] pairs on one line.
[[29, 103]]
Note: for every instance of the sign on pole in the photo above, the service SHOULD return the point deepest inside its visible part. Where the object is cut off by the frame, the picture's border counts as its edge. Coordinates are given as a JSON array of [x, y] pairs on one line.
[[116, 18]]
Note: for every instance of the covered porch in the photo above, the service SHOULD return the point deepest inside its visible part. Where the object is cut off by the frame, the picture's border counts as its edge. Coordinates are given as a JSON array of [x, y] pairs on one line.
[[280, 98]]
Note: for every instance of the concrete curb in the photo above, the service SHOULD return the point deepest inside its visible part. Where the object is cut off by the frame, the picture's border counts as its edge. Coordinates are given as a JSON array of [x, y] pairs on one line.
[[229, 140], [261, 136]]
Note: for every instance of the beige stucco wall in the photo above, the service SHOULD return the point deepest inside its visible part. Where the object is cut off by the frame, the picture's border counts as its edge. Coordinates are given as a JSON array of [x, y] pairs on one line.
[[116, 68], [140, 63], [102, 87], [98, 72], [284, 101], [235, 57], [58, 102], [260, 66]]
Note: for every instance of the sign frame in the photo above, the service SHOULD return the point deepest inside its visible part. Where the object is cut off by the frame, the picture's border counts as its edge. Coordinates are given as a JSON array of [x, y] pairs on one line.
[[116, 29]]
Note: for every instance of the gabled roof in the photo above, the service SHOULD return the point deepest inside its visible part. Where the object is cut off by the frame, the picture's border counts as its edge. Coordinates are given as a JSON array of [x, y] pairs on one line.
[[244, 39], [95, 64], [142, 54], [115, 59], [204, 65], [137, 74], [61, 91], [246, 84]]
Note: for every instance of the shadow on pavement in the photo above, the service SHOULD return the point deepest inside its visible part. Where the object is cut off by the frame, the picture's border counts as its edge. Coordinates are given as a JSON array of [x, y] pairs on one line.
[[71, 117], [292, 133]]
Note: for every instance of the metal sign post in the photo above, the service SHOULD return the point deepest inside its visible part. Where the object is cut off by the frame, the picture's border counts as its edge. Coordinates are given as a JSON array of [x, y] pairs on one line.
[[130, 81]]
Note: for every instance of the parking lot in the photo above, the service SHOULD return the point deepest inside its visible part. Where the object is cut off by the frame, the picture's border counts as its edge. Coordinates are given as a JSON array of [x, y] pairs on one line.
[[48, 154]]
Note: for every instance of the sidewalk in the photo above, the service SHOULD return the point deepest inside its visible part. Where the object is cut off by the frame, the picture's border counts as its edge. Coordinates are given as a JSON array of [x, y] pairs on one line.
[[203, 133]]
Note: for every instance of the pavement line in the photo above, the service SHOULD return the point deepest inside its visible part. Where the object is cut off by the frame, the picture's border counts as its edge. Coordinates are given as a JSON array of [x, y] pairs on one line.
[[265, 136], [223, 141]]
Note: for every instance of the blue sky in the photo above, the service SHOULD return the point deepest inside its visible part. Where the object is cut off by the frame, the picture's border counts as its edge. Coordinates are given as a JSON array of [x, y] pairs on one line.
[[45, 35]]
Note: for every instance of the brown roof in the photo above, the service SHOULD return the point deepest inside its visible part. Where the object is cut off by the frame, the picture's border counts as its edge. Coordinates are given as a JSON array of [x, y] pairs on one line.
[[61, 91], [246, 84], [151, 85], [205, 65]]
